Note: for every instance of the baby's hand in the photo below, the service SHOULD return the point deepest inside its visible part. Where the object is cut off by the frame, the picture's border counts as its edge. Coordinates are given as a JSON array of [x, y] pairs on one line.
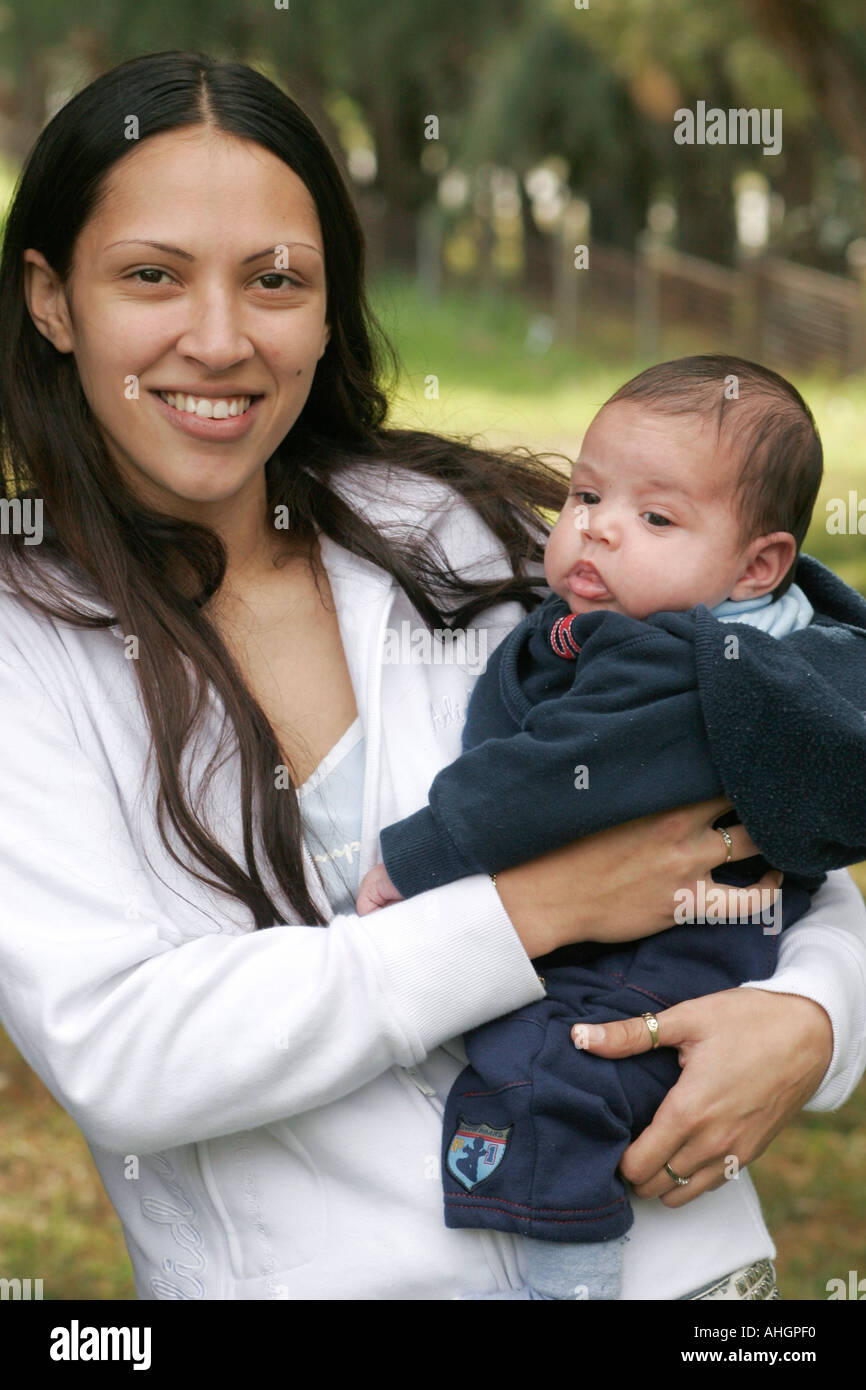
[[376, 891]]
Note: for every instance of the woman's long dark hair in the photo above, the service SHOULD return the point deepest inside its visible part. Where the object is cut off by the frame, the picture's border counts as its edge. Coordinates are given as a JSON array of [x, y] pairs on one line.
[[130, 555]]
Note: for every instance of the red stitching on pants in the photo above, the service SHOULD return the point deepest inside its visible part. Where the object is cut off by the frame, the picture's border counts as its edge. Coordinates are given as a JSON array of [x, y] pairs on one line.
[[609, 1207]]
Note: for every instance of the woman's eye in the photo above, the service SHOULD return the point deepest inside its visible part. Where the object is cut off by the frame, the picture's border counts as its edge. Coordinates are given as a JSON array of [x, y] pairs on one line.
[[148, 270], [275, 275], [149, 275], [656, 520]]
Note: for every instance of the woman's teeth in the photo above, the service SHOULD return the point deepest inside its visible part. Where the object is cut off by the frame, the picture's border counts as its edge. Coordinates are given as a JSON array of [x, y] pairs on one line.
[[206, 406]]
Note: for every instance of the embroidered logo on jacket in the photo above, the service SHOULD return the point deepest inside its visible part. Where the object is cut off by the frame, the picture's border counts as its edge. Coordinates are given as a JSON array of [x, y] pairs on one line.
[[476, 1151], [562, 638]]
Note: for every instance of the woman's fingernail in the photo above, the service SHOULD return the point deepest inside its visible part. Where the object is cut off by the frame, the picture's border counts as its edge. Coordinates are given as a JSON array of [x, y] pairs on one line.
[[585, 1035]]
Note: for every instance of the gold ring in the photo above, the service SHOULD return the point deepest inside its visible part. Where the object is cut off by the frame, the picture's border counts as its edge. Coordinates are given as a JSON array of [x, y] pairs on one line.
[[680, 1182], [728, 841], [652, 1024]]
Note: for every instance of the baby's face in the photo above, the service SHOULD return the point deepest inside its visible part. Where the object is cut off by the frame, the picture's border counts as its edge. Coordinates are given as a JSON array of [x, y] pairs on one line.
[[649, 524]]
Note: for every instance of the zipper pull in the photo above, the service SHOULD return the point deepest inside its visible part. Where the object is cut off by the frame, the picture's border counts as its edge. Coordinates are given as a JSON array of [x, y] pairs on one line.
[[417, 1079]]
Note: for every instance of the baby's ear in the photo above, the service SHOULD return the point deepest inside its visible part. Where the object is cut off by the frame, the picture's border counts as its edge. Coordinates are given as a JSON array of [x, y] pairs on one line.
[[768, 560]]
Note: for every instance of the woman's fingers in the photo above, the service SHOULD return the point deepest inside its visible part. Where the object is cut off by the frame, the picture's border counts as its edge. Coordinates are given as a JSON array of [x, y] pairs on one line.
[[712, 840], [702, 1179], [711, 902], [668, 1140], [742, 844], [626, 1037]]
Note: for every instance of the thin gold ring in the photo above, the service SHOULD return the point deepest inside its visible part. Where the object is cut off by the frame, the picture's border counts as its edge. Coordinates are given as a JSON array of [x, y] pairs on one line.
[[652, 1024], [728, 841]]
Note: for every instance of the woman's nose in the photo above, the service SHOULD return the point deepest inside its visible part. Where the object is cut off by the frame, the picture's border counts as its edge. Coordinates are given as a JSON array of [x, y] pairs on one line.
[[214, 334]]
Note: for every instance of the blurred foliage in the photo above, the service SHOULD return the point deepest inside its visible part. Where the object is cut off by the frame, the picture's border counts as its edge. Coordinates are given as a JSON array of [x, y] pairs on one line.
[[516, 83]]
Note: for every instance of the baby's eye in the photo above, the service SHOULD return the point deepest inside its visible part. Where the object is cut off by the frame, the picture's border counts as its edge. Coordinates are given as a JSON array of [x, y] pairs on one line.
[[655, 519], [583, 496]]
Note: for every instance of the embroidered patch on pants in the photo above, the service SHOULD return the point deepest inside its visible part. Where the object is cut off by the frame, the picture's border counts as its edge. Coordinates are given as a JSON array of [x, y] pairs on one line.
[[476, 1151]]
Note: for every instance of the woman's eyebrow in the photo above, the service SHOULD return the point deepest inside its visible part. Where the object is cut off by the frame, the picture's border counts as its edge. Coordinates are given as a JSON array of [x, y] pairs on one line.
[[185, 255]]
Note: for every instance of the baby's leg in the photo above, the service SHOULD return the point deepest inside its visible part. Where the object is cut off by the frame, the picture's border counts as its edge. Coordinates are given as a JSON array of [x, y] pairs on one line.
[[556, 1270]]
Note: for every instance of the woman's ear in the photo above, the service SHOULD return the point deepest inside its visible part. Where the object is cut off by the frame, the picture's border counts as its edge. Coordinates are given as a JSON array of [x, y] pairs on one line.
[[768, 560], [46, 301], [326, 338]]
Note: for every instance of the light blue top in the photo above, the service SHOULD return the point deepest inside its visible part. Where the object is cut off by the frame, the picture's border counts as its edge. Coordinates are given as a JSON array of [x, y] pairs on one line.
[[330, 803], [793, 610]]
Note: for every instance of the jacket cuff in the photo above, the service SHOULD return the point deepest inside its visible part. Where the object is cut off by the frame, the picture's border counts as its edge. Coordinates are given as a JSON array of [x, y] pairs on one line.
[[452, 960], [419, 855]]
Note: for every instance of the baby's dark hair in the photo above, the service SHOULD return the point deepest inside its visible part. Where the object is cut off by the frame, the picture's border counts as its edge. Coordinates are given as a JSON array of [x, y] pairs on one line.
[[775, 439]]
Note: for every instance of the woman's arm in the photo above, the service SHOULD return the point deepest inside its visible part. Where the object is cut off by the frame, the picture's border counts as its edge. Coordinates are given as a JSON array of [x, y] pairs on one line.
[[823, 957], [753, 1057], [150, 1040]]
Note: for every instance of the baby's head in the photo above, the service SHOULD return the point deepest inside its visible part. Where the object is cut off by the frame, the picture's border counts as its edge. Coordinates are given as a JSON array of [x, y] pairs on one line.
[[695, 483]]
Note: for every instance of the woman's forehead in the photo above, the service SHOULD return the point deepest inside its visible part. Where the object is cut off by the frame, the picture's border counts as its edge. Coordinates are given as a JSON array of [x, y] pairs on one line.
[[200, 183]]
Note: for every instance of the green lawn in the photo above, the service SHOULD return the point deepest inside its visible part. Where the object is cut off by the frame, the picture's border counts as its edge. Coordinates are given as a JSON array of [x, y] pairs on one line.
[[55, 1221]]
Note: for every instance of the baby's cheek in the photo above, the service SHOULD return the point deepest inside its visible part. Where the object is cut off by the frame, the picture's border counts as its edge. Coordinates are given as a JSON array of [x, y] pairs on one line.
[[558, 555]]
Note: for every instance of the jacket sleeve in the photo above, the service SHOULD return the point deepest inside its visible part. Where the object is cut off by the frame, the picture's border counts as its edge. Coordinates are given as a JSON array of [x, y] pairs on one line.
[[786, 723], [150, 1040], [628, 739]]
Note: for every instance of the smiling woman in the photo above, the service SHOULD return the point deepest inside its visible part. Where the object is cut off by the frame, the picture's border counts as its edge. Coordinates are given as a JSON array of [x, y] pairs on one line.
[[188, 359], [178, 327]]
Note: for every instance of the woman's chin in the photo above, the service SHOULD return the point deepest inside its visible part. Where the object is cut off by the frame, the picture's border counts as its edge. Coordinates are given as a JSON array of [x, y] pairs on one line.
[[191, 489]]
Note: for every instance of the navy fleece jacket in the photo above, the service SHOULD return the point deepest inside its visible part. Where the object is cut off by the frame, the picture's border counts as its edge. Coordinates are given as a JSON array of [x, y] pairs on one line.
[[654, 714]]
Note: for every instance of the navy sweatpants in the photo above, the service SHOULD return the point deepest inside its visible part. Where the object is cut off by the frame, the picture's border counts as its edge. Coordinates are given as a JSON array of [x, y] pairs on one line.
[[534, 1129]]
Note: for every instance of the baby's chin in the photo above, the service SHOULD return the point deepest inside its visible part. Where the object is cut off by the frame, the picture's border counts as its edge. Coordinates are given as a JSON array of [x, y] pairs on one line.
[[578, 604]]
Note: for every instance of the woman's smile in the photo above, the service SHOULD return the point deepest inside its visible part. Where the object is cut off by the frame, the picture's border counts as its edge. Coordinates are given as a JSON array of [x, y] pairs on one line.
[[221, 418]]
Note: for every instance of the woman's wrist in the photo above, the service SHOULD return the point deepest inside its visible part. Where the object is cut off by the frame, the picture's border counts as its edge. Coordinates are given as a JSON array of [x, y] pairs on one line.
[[807, 1021], [533, 923]]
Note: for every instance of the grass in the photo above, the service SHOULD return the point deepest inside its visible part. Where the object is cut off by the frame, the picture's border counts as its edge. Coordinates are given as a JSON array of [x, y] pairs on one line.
[[56, 1222]]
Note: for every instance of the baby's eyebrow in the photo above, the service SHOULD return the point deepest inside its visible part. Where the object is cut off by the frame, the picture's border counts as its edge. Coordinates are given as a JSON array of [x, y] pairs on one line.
[[668, 485], [645, 484]]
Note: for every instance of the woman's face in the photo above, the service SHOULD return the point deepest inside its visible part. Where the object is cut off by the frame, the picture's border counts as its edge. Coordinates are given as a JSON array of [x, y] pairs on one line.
[[229, 303]]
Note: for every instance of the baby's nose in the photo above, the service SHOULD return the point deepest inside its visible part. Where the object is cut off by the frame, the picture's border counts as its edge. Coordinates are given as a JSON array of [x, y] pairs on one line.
[[601, 523]]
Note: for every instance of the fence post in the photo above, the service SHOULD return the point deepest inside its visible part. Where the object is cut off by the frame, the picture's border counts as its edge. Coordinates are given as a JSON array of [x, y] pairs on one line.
[[568, 293], [855, 357], [647, 327], [429, 250], [752, 308]]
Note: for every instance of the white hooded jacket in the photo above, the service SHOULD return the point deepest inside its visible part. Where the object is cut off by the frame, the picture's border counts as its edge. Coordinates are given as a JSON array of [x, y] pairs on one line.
[[264, 1107]]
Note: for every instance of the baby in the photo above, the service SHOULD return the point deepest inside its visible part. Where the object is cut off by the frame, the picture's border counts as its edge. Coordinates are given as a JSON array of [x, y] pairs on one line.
[[627, 691]]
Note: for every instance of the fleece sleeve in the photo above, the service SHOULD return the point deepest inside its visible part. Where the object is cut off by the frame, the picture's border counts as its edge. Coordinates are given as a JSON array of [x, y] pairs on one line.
[[786, 723], [627, 739], [149, 1040]]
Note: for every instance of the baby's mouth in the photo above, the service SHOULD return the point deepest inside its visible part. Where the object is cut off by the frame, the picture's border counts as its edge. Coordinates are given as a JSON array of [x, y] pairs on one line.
[[585, 581]]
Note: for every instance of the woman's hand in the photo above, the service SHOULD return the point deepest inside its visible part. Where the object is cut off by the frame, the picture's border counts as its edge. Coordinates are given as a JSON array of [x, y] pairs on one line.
[[751, 1060], [620, 884]]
